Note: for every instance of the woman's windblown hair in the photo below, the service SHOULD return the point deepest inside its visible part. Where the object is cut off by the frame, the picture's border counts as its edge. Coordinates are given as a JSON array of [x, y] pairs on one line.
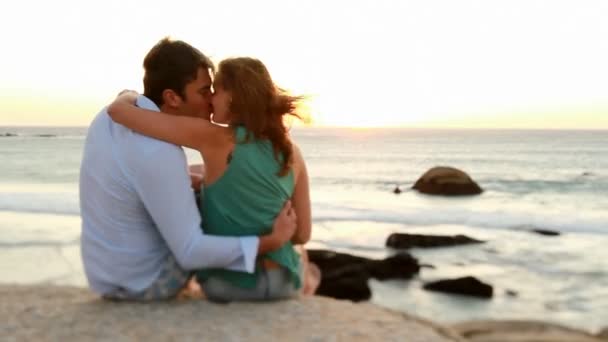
[[258, 104]]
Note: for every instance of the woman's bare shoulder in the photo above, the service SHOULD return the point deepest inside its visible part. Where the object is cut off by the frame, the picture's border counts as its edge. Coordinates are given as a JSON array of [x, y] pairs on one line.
[[298, 163]]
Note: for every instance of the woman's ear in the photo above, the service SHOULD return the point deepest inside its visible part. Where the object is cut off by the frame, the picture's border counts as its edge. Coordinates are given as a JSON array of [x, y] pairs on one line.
[[171, 98]]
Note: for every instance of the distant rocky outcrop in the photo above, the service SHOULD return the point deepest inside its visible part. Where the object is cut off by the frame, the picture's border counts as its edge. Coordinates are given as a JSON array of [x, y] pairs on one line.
[[8, 134], [51, 313], [447, 181], [520, 331], [404, 241], [345, 276], [469, 286], [546, 232]]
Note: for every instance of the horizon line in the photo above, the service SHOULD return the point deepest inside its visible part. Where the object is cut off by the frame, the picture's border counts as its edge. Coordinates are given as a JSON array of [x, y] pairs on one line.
[[364, 127]]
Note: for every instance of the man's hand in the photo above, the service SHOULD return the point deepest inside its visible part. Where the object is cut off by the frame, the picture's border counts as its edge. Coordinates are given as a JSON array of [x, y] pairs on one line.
[[282, 230], [197, 181]]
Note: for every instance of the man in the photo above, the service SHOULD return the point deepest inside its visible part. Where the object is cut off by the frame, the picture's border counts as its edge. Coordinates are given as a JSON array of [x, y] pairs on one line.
[[140, 225]]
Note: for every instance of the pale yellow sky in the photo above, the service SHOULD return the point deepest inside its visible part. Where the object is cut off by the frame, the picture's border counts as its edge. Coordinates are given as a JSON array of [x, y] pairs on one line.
[[485, 63]]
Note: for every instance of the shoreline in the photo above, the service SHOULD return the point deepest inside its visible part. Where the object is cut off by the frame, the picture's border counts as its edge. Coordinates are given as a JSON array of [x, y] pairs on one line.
[[531, 302]]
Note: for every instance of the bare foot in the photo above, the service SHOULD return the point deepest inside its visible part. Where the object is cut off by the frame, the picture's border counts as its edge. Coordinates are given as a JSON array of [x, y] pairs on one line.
[[312, 279], [192, 290]]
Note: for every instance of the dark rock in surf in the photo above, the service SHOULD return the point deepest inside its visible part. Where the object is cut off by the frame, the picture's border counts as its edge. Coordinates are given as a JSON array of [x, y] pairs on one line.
[[404, 241], [345, 276], [546, 232], [447, 181], [469, 286], [511, 293]]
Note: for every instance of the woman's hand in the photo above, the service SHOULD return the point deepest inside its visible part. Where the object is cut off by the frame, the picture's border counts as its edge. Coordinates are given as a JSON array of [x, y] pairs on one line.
[[127, 96]]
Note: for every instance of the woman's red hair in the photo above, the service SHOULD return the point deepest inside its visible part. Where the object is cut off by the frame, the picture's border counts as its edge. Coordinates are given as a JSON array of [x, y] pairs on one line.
[[258, 104]]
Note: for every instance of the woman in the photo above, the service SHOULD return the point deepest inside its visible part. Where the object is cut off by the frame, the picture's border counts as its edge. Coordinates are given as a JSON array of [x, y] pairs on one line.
[[251, 169]]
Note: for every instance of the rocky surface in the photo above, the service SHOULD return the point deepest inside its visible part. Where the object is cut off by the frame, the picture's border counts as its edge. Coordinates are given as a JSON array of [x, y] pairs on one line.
[[520, 331], [404, 241], [345, 276], [48, 313], [469, 286], [447, 181]]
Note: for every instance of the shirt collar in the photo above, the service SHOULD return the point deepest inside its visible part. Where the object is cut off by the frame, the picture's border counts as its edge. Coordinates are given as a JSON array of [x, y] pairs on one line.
[[146, 103]]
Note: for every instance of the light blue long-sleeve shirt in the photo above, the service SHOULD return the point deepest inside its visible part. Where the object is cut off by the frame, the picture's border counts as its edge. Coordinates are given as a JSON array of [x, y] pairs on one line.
[[137, 207]]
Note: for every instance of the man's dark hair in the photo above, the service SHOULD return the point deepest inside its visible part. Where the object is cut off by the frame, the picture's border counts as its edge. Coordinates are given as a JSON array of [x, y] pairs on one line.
[[171, 64]]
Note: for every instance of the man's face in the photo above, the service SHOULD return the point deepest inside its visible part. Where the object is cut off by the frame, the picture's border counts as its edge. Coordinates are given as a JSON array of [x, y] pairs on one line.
[[198, 95]]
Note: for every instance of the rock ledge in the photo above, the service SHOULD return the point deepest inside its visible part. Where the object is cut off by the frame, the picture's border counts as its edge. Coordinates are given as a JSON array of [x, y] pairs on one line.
[[52, 313]]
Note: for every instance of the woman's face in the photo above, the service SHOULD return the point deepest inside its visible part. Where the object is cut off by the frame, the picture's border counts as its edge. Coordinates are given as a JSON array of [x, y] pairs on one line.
[[221, 105]]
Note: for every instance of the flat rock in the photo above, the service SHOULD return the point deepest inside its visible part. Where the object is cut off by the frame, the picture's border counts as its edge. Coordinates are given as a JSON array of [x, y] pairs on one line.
[[404, 241], [469, 286], [447, 181], [50, 313], [520, 331]]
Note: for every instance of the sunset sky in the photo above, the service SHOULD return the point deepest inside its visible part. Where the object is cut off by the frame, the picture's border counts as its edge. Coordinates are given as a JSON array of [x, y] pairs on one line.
[[485, 63]]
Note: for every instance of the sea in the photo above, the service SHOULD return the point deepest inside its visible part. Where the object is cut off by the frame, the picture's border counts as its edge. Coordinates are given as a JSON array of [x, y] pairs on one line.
[[533, 179]]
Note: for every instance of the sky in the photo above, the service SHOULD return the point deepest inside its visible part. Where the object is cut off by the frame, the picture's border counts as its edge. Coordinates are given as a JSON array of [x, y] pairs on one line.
[[427, 63]]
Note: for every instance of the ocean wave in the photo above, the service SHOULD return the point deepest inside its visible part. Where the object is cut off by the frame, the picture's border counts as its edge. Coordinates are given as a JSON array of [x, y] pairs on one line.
[[584, 182], [41, 203], [569, 219], [42, 135], [427, 216], [41, 243]]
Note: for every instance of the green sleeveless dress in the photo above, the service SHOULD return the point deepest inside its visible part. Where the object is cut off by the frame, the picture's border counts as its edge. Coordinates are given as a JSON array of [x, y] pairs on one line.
[[245, 200]]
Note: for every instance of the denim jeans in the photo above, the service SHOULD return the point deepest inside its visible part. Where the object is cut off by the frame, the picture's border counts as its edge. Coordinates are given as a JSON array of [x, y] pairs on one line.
[[272, 284]]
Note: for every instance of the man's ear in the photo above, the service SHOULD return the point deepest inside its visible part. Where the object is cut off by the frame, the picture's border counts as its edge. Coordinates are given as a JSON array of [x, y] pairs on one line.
[[171, 98]]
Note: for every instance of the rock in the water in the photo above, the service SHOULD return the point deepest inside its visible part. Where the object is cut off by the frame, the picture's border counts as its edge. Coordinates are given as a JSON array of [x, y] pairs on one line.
[[403, 241], [352, 287], [447, 181], [398, 266], [397, 190], [469, 286], [345, 276], [8, 135], [511, 293], [520, 331], [546, 232]]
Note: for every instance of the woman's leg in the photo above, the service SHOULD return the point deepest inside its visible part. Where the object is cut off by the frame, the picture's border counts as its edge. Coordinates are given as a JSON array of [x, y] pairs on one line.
[[274, 284], [311, 274]]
